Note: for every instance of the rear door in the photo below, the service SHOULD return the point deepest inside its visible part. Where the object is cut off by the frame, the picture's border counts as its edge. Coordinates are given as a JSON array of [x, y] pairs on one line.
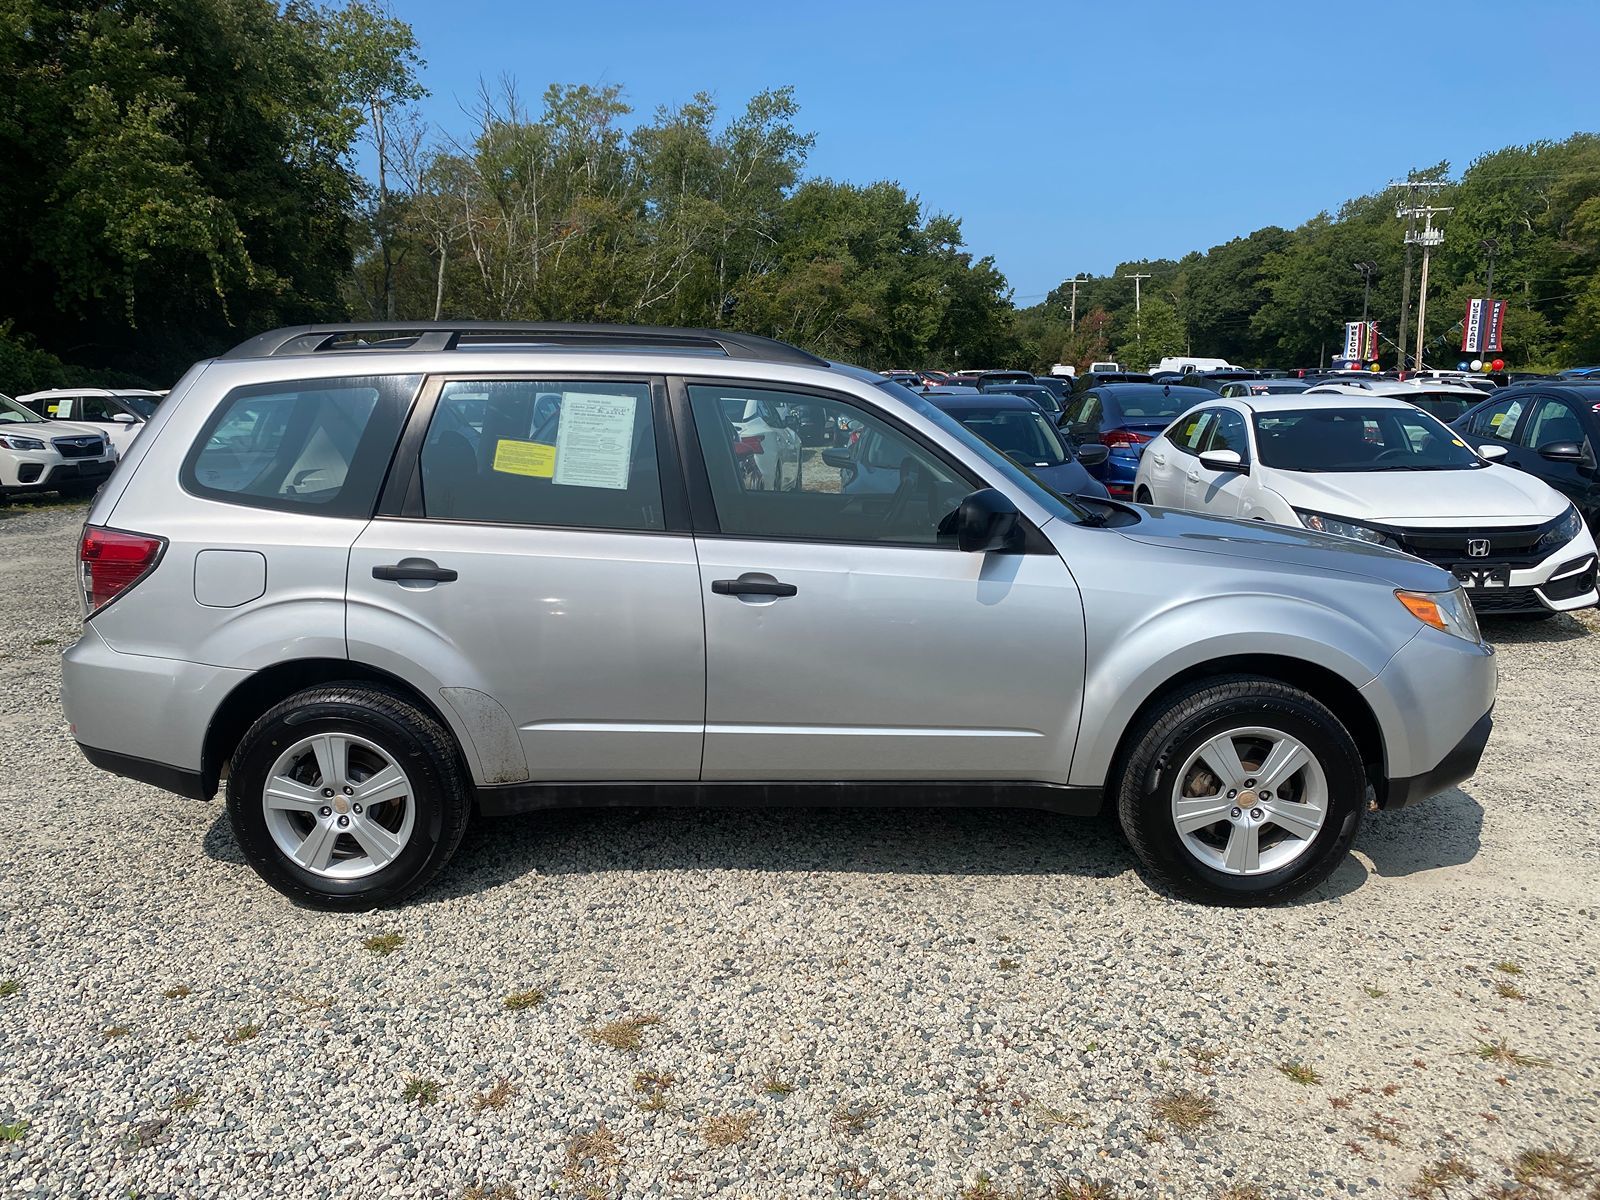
[[532, 565], [847, 638]]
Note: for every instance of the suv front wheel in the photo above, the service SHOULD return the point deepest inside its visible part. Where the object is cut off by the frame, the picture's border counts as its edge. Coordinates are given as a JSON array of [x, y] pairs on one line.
[[1241, 790], [347, 796]]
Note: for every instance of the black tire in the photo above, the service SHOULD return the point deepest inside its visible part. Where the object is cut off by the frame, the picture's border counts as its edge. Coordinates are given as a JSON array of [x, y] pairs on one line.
[[1143, 497], [412, 737], [1163, 742]]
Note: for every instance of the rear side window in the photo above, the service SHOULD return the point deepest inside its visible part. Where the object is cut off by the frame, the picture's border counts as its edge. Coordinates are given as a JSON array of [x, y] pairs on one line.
[[314, 445], [544, 452]]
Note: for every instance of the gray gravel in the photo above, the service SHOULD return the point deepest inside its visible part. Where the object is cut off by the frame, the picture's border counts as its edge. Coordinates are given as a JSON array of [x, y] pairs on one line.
[[950, 996]]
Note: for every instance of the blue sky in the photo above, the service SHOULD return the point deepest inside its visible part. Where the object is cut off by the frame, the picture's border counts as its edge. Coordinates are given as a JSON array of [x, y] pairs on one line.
[[1071, 136]]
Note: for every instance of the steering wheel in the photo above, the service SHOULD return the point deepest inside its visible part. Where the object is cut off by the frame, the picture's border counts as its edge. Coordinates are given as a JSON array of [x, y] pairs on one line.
[[1396, 452]]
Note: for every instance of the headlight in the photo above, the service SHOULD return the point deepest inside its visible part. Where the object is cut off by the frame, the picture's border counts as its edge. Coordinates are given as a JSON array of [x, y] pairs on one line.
[[1559, 534], [12, 441], [1449, 612], [1340, 528]]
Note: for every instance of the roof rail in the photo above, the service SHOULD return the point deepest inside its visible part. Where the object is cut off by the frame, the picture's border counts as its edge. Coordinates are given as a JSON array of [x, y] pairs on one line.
[[449, 335]]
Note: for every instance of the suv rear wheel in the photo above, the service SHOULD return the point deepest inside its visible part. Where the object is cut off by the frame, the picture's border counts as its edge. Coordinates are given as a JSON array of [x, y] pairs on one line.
[[1241, 790], [347, 797]]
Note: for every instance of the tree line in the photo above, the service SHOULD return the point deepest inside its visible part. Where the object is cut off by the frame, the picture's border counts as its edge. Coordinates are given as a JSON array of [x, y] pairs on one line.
[[179, 176]]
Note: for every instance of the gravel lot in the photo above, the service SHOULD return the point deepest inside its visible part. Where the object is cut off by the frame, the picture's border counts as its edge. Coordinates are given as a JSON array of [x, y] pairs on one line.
[[969, 1004]]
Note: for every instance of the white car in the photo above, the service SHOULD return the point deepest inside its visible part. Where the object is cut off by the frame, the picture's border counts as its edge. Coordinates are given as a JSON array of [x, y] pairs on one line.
[[119, 413], [1443, 399], [1380, 470], [38, 455], [766, 445]]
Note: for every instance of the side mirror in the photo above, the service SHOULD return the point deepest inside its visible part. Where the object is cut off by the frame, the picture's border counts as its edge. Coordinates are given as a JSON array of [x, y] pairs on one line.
[[988, 521], [1561, 452], [1092, 455], [839, 456], [124, 419], [1225, 460], [1490, 453]]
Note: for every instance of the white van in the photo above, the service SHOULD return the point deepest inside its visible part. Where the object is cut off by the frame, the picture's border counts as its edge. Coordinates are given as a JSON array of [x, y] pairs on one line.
[[1191, 365]]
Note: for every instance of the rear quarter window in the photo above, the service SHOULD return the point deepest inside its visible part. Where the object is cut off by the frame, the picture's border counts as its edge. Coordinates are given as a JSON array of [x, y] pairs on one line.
[[314, 445]]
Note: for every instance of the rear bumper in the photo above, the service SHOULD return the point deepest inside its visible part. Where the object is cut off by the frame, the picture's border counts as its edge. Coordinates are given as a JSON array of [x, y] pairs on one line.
[[1460, 764], [168, 779]]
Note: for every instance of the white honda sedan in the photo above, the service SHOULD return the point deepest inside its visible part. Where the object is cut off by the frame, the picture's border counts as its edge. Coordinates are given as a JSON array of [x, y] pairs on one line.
[[1380, 470]]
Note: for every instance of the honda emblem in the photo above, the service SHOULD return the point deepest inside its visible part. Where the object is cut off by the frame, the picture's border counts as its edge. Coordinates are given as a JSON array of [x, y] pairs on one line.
[[1477, 547]]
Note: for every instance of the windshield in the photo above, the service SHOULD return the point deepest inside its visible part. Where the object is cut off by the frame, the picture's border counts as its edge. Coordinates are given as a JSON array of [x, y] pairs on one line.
[[1447, 406], [12, 413], [1002, 465], [1026, 436], [145, 406], [1038, 393], [1359, 439]]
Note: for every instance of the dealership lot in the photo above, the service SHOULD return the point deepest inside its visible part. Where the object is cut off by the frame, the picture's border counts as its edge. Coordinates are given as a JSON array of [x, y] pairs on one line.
[[787, 1004]]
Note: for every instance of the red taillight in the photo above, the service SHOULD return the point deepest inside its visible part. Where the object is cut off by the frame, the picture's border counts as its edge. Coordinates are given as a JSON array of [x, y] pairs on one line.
[[750, 445], [111, 562], [1124, 439]]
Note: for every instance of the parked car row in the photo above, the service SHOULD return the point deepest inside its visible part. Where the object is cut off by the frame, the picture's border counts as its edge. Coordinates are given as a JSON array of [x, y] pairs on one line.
[[67, 440]]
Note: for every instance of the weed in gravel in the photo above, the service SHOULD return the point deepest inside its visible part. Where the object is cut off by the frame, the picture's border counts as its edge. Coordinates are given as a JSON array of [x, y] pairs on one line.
[[244, 1033], [490, 1191], [176, 992], [1153, 1137], [1082, 1189], [385, 944], [1377, 993], [651, 1087], [112, 1032], [9, 988], [1204, 1058], [1339, 1101], [592, 1158], [1437, 1179], [495, 1097], [1299, 1072], [41, 643], [1499, 1052], [776, 1086], [1507, 990], [307, 1003], [624, 1034], [1185, 1110], [521, 1001], [1242, 1191], [1009, 964], [1560, 1167], [984, 1188], [854, 1117], [185, 1100], [13, 1131], [1508, 968], [727, 1130], [420, 1091], [1383, 1129], [145, 1134], [1055, 1116]]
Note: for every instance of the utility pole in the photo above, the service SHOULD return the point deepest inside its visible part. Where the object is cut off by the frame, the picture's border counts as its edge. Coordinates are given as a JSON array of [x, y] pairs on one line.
[[1406, 211], [1138, 310], [1072, 320], [1427, 237]]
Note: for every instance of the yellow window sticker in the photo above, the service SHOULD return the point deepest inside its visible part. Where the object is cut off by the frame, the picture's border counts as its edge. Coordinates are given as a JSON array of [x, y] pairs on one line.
[[525, 458], [1459, 442], [54, 410], [1496, 419]]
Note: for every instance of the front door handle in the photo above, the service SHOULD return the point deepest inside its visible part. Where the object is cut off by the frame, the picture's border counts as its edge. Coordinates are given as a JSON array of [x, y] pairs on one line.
[[744, 586], [415, 570], [1194, 477]]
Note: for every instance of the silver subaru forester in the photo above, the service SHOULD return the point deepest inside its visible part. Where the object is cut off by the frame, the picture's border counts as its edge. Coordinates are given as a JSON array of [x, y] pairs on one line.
[[380, 578]]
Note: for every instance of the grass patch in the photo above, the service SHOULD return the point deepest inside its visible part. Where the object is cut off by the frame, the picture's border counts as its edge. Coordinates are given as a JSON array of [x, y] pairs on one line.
[[244, 1033], [9, 988], [1438, 1178], [1508, 968], [384, 944], [776, 1086], [185, 1100], [1502, 1054], [13, 1131], [495, 1097], [41, 643], [727, 1130], [1185, 1110], [651, 1088], [984, 1188], [1083, 1189], [626, 1033], [1203, 1057], [1009, 964], [1507, 990], [1382, 1129], [112, 1032], [853, 1118], [1055, 1117], [146, 1134], [420, 1091], [1534, 1167], [521, 1001], [490, 1191], [1377, 993], [176, 992], [591, 1158], [1299, 1072]]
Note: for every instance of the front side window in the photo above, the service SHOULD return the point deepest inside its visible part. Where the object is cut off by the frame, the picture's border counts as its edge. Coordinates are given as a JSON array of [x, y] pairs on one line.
[[1228, 433], [1497, 420], [12, 413], [316, 444], [765, 483], [1552, 421], [1191, 431], [543, 452]]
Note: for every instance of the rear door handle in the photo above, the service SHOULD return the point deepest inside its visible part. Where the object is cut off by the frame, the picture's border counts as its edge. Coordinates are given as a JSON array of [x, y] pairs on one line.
[[415, 570], [752, 587]]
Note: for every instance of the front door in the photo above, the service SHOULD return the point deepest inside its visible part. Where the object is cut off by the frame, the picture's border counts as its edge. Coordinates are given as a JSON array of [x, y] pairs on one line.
[[1219, 493], [848, 639], [533, 567]]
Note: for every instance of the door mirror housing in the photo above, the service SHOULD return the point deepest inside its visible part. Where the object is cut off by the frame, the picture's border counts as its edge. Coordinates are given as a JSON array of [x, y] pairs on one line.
[[1091, 455], [1225, 460], [839, 456], [988, 521], [1561, 452], [1491, 453], [124, 419]]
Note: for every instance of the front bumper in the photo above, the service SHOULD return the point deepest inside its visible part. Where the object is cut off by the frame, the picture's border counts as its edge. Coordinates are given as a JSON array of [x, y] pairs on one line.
[[45, 470], [1460, 764]]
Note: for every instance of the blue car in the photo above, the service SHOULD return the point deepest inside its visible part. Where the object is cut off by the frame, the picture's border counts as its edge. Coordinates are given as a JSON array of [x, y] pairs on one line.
[[1124, 418], [1011, 423]]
